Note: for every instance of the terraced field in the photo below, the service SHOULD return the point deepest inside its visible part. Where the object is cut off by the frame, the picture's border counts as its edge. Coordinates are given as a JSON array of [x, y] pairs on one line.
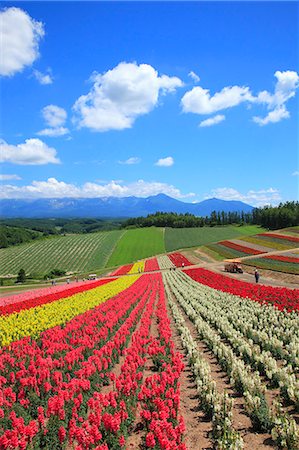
[[176, 238], [137, 244], [74, 253], [258, 245]]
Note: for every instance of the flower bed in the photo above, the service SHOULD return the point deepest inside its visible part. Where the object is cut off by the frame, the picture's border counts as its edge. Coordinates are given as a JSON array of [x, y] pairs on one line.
[[31, 322], [151, 265], [123, 270], [280, 236], [241, 248], [282, 298], [19, 304], [179, 260]]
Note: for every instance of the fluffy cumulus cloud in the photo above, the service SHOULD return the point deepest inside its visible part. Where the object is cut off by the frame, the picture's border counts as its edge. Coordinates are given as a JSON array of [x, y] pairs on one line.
[[55, 117], [296, 173], [31, 152], [285, 88], [120, 95], [43, 78], [212, 121], [8, 177], [165, 162], [255, 198], [20, 37], [53, 188], [199, 100], [131, 161]]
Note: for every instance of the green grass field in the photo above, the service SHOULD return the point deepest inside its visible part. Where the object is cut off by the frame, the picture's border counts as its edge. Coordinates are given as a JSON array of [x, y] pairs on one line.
[[176, 238], [76, 253], [137, 244]]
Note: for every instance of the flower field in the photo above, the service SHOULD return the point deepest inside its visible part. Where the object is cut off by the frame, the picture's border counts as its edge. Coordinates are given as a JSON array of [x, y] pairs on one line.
[[104, 365]]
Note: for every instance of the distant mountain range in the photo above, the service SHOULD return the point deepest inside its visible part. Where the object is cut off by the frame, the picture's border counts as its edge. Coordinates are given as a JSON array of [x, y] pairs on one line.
[[113, 207]]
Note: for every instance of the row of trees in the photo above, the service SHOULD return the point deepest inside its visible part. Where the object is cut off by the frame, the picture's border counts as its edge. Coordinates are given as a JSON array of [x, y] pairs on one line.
[[282, 216]]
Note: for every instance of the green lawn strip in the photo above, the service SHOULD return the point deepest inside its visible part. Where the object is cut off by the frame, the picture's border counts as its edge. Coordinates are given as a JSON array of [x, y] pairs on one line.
[[270, 264], [137, 244], [73, 253], [176, 238]]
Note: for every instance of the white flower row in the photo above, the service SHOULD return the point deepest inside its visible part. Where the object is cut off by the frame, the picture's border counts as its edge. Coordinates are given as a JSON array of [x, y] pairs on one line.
[[217, 406], [212, 311], [164, 262], [241, 375]]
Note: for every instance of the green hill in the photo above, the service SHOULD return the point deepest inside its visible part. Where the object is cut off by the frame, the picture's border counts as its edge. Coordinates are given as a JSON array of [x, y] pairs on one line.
[[90, 252], [76, 253]]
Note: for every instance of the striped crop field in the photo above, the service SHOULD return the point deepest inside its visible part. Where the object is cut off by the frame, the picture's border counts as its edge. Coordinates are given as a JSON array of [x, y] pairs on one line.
[[176, 238], [272, 263], [79, 252], [137, 244], [151, 361]]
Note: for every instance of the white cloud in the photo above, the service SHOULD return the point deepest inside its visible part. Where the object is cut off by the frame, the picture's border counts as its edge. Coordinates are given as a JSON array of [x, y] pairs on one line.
[[165, 162], [199, 100], [296, 173], [130, 161], [20, 36], [285, 88], [212, 121], [32, 152], [55, 117], [53, 132], [120, 95], [6, 177], [254, 198], [43, 78], [194, 76], [274, 116], [53, 188]]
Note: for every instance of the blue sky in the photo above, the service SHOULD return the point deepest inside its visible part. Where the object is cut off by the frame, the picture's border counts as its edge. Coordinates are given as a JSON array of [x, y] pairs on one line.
[[195, 100]]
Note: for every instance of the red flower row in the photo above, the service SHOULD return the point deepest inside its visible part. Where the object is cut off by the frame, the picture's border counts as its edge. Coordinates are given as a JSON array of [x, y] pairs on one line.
[[289, 259], [280, 236], [123, 270], [61, 368], [179, 260], [56, 382], [280, 297], [50, 297], [151, 265], [35, 293], [240, 248]]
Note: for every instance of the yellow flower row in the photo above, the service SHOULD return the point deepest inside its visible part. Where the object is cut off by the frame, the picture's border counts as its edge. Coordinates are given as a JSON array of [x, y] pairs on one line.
[[33, 321], [137, 267]]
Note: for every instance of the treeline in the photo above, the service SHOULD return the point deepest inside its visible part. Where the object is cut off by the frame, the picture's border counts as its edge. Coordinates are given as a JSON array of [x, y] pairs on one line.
[[187, 220], [13, 236], [282, 216]]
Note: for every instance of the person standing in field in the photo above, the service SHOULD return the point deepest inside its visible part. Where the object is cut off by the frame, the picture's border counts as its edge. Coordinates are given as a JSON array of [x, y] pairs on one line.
[[256, 276]]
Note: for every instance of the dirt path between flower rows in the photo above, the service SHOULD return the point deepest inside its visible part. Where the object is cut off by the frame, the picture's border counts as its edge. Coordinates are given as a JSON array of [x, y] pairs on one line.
[[198, 435]]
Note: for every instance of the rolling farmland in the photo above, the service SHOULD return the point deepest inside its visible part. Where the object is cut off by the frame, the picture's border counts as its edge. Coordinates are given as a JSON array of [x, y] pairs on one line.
[[176, 238], [82, 252], [137, 244]]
